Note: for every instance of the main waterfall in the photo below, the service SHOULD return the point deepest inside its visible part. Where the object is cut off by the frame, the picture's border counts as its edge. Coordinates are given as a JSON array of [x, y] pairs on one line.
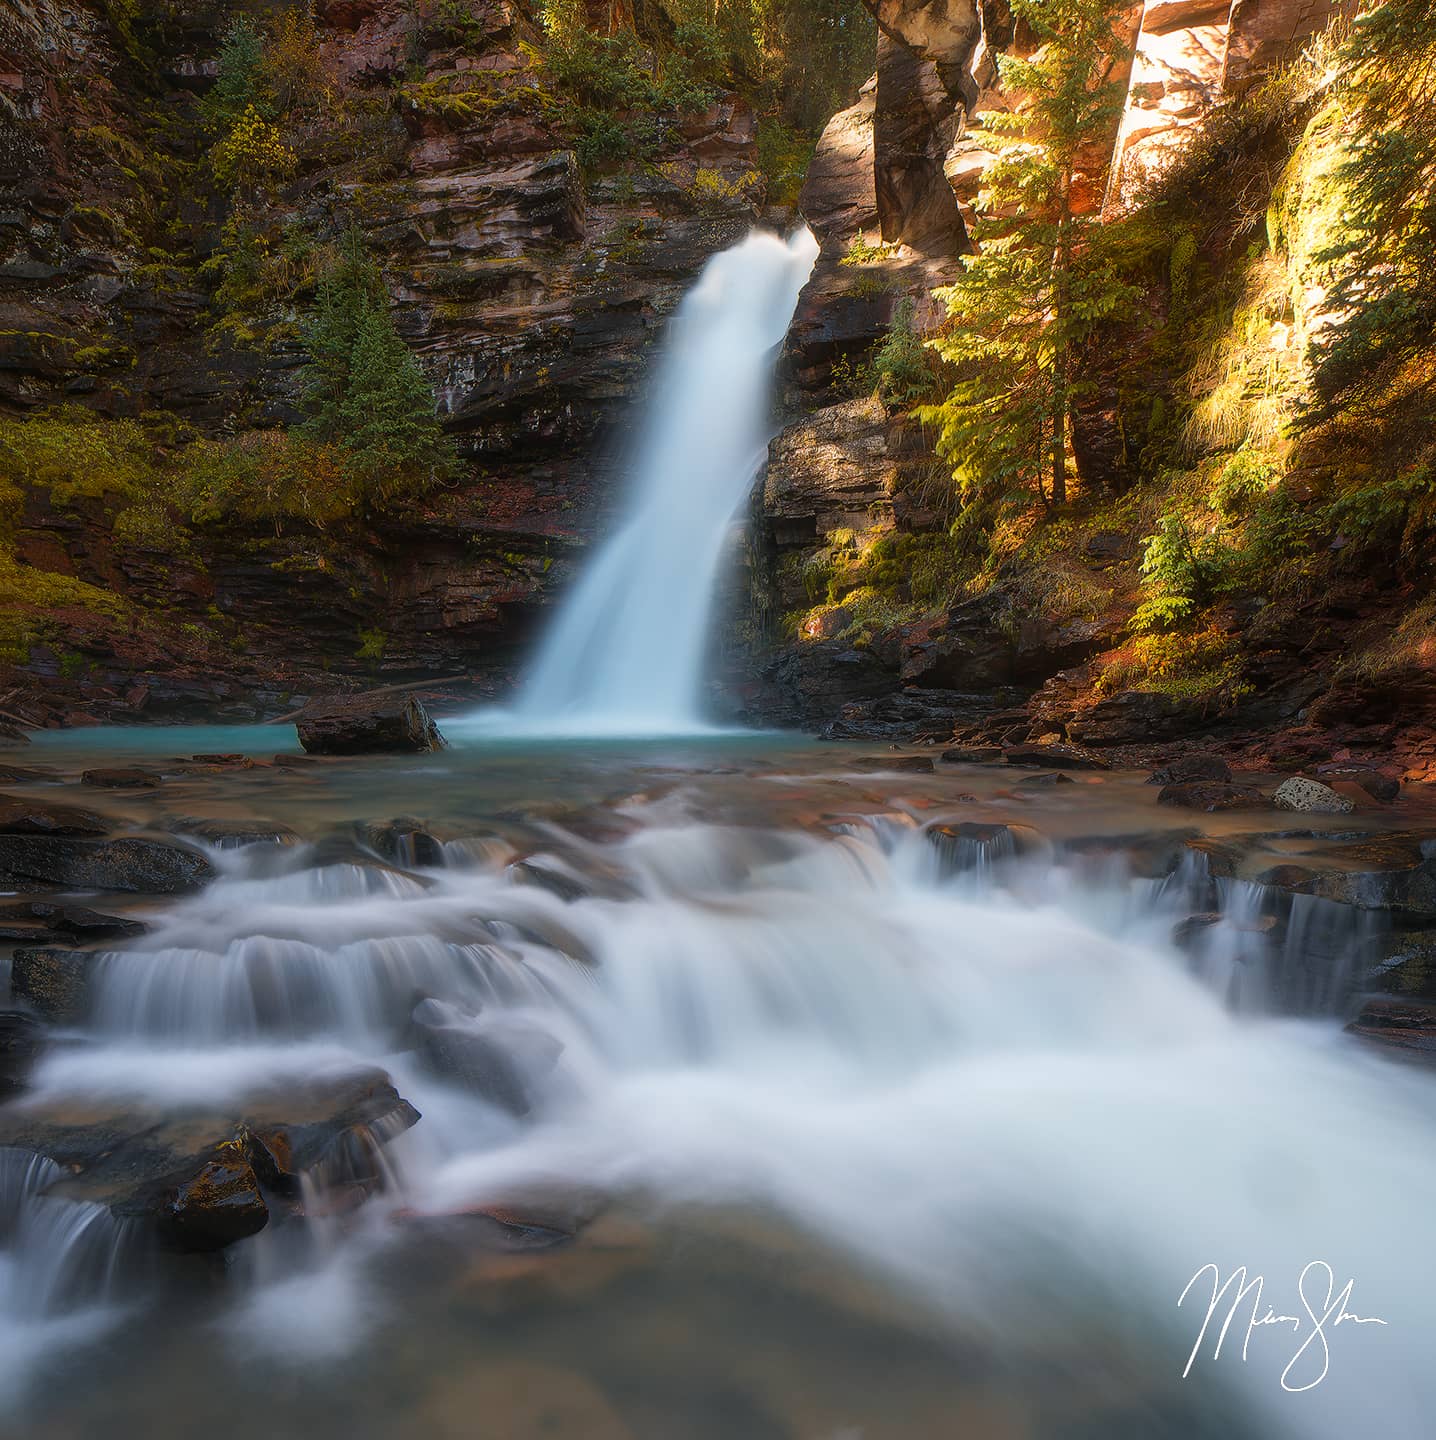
[[626, 652]]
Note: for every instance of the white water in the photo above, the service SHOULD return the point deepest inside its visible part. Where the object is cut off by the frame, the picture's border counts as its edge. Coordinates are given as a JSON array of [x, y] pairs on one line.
[[625, 653], [1003, 1093]]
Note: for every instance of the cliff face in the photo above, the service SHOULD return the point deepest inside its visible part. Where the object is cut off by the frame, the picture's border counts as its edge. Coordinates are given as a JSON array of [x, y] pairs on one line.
[[531, 293], [864, 640]]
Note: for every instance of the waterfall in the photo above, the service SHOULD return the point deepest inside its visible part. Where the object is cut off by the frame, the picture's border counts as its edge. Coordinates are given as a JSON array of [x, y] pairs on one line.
[[625, 654]]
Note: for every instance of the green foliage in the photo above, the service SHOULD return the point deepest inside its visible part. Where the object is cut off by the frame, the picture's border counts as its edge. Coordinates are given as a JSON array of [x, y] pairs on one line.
[[372, 644], [1385, 259], [238, 85], [364, 391], [1044, 278], [1179, 576], [784, 154], [902, 362]]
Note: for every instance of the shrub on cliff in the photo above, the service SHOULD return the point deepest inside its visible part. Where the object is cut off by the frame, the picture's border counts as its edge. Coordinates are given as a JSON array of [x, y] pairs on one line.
[[365, 392]]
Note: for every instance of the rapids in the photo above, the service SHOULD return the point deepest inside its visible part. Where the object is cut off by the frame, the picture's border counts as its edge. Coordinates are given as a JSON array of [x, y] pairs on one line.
[[862, 1133]]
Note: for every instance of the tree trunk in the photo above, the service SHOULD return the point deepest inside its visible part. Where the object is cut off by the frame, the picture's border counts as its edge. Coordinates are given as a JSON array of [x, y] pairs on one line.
[[1061, 359]]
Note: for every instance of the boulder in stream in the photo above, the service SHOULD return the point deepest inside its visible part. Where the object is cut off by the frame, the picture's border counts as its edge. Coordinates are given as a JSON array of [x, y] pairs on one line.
[[1310, 797], [360, 725], [130, 862], [199, 1176], [1186, 768], [1212, 796], [121, 777], [1407, 1027]]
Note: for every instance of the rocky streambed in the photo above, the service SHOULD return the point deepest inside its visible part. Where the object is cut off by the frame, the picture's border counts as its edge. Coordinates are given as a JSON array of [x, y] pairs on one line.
[[311, 1030]]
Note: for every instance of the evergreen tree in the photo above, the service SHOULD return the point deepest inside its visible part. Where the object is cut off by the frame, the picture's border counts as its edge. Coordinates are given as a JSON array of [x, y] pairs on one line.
[[388, 414], [364, 390], [1042, 279], [1385, 258]]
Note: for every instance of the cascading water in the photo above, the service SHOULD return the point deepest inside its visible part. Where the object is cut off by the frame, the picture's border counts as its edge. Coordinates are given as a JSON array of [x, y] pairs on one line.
[[1001, 1094], [625, 654]]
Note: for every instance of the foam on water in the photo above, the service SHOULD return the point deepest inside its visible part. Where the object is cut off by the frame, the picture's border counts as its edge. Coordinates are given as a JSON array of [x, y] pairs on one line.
[[1003, 1092]]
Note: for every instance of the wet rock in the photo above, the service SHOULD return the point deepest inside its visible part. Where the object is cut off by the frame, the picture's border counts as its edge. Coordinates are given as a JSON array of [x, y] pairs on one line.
[[908, 716], [1186, 933], [34, 919], [1060, 757], [194, 1175], [550, 877], [1149, 854], [973, 755], [1310, 797], [231, 834], [1406, 1026], [294, 762], [12, 734], [504, 1061], [1192, 767], [1044, 781], [1212, 796], [22, 1041], [55, 984], [368, 726], [216, 1207], [905, 764], [974, 845], [129, 777], [25, 775], [403, 841], [38, 817], [1379, 786], [131, 863], [1388, 872]]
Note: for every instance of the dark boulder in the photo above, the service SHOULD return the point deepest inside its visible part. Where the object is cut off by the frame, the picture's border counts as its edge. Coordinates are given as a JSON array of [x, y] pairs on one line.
[[54, 983], [131, 863], [1056, 757], [215, 1207], [391, 725], [22, 1039], [1387, 872], [1133, 717], [973, 755], [1212, 796], [39, 817], [1192, 767]]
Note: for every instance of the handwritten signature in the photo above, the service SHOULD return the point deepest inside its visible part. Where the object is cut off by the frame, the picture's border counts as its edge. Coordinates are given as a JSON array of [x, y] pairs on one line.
[[1325, 1311]]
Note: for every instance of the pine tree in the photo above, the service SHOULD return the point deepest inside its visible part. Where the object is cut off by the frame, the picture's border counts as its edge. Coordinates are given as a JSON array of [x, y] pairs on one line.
[[364, 390], [1042, 279], [388, 414]]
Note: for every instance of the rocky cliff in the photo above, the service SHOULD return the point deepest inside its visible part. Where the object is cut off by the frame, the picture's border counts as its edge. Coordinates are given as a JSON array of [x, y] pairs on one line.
[[531, 291]]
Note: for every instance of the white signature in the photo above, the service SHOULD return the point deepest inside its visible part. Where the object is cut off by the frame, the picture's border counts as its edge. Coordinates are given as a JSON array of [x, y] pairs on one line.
[[1325, 1311]]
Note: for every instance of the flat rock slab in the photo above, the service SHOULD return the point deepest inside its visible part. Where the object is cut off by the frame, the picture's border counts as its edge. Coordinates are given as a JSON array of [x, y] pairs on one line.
[[359, 726], [28, 816], [130, 863], [203, 1178], [129, 777], [1055, 757], [1408, 1026]]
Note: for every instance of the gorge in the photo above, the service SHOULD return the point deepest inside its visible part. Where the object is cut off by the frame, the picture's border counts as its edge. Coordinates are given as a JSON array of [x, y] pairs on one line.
[[923, 885]]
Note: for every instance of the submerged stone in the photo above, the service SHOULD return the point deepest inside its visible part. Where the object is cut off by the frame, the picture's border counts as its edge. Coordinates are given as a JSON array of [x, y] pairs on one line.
[[39, 817]]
